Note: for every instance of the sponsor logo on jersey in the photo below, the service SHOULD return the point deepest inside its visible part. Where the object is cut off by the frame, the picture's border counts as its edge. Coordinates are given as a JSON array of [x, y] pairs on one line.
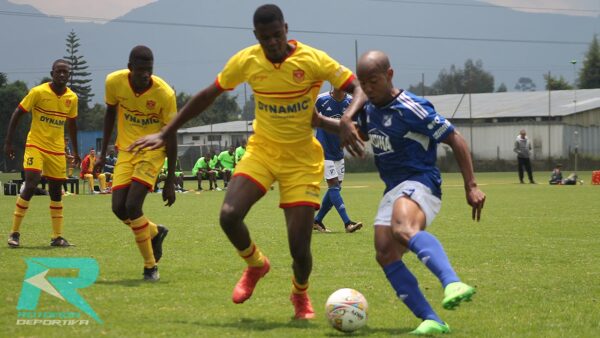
[[52, 121], [298, 75], [285, 108], [380, 142], [150, 104]]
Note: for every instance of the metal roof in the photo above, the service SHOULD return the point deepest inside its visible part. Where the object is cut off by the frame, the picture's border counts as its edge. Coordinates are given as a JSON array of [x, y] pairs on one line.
[[225, 127], [516, 104]]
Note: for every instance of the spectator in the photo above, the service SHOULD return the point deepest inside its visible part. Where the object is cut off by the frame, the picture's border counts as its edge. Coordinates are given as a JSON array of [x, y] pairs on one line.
[[202, 171], [227, 162], [556, 177], [109, 164], [87, 172], [523, 150]]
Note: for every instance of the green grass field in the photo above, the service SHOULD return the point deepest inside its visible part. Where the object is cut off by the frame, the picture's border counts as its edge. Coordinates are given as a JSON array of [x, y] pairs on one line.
[[534, 259]]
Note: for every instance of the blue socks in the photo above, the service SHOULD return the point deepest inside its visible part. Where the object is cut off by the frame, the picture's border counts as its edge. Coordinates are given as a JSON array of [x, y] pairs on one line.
[[333, 198], [432, 254], [407, 288]]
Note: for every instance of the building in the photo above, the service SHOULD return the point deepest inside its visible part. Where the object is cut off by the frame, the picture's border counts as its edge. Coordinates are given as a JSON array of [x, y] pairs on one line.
[[218, 136]]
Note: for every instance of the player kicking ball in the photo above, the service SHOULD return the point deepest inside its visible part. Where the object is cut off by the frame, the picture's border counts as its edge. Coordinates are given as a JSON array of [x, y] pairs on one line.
[[404, 130]]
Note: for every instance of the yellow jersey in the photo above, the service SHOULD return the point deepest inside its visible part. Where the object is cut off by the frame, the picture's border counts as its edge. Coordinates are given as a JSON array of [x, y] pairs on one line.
[[49, 112], [139, 114], [284, 93]]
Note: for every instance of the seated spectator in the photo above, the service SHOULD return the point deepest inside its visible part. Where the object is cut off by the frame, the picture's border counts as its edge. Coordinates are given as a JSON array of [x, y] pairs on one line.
[[109, 164], [201, 171], [87, 172], [556, 177], [227, 161], [179, 176], [215, 166]]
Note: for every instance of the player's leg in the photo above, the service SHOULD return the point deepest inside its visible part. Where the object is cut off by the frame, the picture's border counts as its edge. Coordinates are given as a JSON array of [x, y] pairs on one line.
[[528, 168], [520, 168], [299, 226], [199, 178], [102, 182], [389, 252], [326, 204], [212, 179], [32, 179], [56, 213], [241, 195]]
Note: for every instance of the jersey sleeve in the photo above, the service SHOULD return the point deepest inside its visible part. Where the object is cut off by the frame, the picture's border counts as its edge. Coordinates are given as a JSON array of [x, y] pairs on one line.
[[232, 74], [110, 95], [422, 118], [73, 112], [338, 75], [29, 100], [170, 109]]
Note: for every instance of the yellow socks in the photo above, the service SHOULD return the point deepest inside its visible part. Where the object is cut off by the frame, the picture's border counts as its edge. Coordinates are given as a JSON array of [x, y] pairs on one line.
[[20, 210], [141, 230], [102, 182], [252, 255], [298, 288], [153, 229], [90, 179], [56, 212]]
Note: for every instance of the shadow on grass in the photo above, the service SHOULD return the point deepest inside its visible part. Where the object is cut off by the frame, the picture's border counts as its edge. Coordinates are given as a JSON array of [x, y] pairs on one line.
[[367, 331], [128, 282], [38, 248], [247, 324]]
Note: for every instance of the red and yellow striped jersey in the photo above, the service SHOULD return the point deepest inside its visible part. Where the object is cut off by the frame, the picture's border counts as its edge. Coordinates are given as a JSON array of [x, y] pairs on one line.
[[49, 112], [284, 93]]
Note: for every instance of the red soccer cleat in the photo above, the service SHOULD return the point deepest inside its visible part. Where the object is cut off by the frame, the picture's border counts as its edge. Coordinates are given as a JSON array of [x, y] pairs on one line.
[[302, 306], [245, 286]]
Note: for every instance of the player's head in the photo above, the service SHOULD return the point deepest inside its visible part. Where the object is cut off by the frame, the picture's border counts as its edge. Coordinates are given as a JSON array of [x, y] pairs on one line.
[[375, 76], [60, 73], [231, 149], [141, 63], [271, 30], [92, 152], [523, 133]]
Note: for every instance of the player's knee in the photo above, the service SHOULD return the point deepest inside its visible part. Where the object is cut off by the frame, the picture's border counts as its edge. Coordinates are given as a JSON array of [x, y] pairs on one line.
[[133, 209], [119, 211], [230, 216], [301, 254], [403, 231]]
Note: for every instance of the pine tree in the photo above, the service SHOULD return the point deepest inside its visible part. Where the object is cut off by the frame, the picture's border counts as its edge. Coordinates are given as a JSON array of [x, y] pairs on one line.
[[589, 75], [79, 76]]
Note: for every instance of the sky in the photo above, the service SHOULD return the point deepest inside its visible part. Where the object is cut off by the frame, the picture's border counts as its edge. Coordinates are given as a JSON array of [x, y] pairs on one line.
[[110, 9]]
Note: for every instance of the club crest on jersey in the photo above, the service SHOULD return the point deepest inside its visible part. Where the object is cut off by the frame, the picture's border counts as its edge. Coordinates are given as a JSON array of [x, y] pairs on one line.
[[68, 103], [150, 104], [298, 75], [387, 120]]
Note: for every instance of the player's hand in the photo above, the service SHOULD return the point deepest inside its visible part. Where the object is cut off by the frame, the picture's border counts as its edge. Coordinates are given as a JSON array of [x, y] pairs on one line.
[[476, 199], [99, 165], [151, 142], [350, 138], [9, 150], [168, 192]]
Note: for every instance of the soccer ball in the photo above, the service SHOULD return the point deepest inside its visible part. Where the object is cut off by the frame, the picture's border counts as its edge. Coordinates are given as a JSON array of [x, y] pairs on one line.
[[346, 310]]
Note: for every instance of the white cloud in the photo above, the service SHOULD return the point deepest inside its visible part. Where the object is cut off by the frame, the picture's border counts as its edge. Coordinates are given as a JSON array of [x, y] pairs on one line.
[[106, 9], [565, 7]]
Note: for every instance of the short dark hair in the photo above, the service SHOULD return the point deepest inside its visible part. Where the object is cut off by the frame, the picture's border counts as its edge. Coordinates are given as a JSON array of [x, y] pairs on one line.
[[141, 53], [266, 14], [60, 61]]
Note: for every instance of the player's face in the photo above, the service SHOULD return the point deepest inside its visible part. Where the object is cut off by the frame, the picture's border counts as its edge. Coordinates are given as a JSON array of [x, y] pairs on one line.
[[60, 74], [376, 84], [272, 37], [141, 73]]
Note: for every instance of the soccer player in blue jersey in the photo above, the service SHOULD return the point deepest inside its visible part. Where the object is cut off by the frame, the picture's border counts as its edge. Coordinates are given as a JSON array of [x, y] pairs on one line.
[[404, 131], [332, 104]]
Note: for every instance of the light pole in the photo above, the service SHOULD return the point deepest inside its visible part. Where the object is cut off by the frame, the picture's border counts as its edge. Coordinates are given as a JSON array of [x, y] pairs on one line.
[[574, 63]]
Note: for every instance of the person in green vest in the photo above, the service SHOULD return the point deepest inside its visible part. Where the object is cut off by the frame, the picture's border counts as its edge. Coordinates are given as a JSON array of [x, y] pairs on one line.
[[227, 160], [202, 170], [240, 151], [178, 175]]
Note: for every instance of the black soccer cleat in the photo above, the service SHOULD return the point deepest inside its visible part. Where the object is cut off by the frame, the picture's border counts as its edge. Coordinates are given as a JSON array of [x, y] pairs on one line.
[[13, 240], [158, 240], [59, 242], [151, 274]]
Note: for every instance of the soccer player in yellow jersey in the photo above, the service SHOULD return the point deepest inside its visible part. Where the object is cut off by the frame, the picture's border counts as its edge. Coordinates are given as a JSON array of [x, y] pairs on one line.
[[52, 105], [285, 77], [142, 104]]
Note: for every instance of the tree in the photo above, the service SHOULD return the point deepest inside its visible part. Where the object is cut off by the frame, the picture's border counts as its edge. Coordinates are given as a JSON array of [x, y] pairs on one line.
[[3, 79], [224, 109], [248, 110], [419, 88], [91, 118], [589, 74], [525, 84], [553, 83], [10, 96], [472, 79], [79, 76], [182, 98], [501, 88]]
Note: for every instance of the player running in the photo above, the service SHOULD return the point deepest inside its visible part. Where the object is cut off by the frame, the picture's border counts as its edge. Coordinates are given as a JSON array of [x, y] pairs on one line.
[[285, 77], [404, 131], [332, 104], [142, 103], [52, 105]]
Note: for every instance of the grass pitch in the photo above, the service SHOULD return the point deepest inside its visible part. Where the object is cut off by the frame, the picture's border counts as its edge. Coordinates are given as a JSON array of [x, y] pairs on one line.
[[534, 259]]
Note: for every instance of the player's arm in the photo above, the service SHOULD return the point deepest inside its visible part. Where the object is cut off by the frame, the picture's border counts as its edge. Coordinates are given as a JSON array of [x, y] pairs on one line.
[[475, 197], [12, 126], [328, 124], [168, 192], [109, 123], [196, 105], [349, 136], [72, 127]]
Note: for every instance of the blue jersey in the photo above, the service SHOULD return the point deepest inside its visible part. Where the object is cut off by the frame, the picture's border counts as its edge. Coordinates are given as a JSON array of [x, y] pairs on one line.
[[404, 135], [328, 106]]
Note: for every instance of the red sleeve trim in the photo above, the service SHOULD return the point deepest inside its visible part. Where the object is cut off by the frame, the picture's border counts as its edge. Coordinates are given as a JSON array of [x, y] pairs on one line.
[[253, 180], [299, 204], [221, 87], [347, 83], [22, 108]]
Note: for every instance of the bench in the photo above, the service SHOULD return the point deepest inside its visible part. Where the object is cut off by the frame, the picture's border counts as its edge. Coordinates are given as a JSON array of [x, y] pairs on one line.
[[71, 181]]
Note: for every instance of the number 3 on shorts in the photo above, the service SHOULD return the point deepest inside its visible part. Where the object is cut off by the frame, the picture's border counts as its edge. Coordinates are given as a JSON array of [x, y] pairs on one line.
[[30, 161]]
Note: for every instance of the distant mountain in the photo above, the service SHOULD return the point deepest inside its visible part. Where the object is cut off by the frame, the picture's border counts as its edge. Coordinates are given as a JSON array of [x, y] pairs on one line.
[[189, 53]]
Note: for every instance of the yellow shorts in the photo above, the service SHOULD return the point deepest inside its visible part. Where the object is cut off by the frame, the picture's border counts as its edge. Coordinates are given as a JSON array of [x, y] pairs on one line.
[[51, 165], [297, 167], [142, 167]]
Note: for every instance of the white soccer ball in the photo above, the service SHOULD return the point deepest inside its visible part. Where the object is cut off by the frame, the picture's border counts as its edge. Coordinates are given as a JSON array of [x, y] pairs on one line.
[[346, 310]]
